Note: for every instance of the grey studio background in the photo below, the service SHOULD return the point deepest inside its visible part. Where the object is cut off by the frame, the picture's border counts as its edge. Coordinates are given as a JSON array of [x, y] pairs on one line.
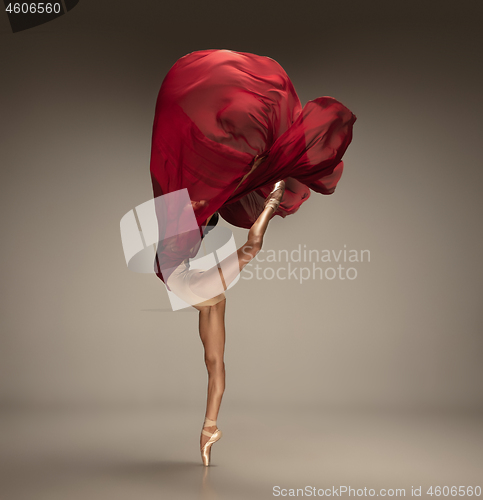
[[374, 382]]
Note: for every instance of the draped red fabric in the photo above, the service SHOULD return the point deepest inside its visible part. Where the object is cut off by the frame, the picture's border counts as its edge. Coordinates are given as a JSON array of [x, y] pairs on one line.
[[217, 111]]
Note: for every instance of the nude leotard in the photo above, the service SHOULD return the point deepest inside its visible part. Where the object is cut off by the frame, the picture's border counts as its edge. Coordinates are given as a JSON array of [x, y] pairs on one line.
[[179, 283]]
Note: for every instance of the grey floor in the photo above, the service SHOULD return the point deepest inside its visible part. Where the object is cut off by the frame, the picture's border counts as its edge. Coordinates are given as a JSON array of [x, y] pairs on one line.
[[153, 453]]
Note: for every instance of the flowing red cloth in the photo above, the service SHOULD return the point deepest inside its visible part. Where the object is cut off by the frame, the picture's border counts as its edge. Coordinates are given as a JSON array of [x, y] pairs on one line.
[[217, 110]]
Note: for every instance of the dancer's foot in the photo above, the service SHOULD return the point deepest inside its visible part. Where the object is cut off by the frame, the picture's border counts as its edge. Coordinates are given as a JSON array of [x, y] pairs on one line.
[[209, 435], [276, 196]]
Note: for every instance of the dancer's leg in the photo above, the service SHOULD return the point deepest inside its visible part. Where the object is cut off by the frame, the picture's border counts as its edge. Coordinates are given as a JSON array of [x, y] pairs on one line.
[[255, 238], [212, 334], [207, 283]]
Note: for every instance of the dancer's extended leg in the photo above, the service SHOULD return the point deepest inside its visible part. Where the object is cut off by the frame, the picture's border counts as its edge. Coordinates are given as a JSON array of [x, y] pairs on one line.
[[207, 283]]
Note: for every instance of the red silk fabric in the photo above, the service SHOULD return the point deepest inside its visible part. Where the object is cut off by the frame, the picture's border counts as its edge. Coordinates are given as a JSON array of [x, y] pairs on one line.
[[218, 110]]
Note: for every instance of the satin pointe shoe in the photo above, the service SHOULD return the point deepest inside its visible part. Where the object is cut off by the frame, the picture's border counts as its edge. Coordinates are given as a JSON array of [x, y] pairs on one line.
[[276, 196], [214, 437]]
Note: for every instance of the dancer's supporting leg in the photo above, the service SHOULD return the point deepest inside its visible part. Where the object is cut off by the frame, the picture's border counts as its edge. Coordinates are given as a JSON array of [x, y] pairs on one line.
[[212, 334]]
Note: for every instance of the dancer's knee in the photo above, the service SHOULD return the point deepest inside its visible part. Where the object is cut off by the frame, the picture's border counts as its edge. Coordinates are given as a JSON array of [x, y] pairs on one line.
[[255, 243], [214, 365]]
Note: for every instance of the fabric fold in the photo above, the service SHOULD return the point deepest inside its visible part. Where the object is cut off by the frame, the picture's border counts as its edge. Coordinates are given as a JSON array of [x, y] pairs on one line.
[[217, 110]]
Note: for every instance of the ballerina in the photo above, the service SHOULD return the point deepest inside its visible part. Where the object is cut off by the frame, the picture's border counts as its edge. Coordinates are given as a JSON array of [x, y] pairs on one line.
[[230, 128]]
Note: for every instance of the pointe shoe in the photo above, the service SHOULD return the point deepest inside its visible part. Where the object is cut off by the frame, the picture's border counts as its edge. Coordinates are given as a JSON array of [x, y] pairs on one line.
[[214, 437], [276, 196]]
